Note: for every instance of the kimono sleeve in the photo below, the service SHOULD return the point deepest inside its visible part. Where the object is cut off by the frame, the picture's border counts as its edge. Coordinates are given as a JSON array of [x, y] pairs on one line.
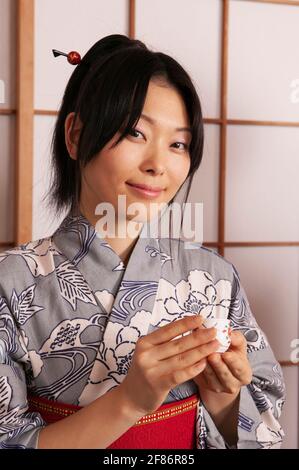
[[18, 428], [262, 400]]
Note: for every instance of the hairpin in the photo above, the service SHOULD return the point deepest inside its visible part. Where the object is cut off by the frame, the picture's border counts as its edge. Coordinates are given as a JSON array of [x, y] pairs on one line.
[[73, 57]]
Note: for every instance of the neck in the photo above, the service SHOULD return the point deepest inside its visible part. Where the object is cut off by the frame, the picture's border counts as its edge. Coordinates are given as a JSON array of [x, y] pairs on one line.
[[122, 245]]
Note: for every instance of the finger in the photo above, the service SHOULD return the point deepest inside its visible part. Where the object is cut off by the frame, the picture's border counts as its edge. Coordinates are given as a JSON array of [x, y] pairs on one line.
[[212, 380], [180, 376], [239, 367], [200, 366], [198, 337], [229, 383], [238, 341], [188, 358], [170, 331]]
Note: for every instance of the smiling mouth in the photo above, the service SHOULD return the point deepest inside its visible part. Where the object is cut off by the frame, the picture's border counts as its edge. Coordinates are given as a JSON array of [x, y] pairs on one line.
[[147, 191], [146, 187]]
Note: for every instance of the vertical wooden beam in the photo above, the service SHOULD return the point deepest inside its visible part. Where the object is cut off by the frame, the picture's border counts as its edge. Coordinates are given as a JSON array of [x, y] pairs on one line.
[[24, 121], [223, 128], [132, 9]]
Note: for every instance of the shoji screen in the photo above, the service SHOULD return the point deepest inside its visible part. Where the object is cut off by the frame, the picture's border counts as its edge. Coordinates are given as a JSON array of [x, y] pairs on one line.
[[7, 120], [243, 58]]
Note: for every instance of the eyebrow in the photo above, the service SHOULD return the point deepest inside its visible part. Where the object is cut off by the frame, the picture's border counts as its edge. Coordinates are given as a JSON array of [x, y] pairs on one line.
[[153, 121]]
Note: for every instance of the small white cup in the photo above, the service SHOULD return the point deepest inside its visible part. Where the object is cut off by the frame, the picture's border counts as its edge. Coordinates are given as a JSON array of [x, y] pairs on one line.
[[222, 325]]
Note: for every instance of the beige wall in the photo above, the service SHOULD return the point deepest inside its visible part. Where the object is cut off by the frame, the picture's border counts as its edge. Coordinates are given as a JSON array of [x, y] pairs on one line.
[[262, 164]]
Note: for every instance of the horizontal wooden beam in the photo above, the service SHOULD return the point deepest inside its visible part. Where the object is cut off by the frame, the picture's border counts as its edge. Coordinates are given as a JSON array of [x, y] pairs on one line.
[[258, 244], [248, 122], [288, 364], [4, 245], [249, 244], [7, 111], [277, 2], [241, 122], [45, 112]]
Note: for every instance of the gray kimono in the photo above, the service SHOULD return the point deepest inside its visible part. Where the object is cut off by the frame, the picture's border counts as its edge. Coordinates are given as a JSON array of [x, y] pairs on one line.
[[71, 314]]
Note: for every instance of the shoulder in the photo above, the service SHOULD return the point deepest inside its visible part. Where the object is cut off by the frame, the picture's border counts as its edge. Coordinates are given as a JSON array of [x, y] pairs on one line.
[[30, 258], [193, 255]]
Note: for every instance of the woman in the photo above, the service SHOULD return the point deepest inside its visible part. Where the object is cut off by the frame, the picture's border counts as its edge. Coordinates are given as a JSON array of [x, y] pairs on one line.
[[94, 325]]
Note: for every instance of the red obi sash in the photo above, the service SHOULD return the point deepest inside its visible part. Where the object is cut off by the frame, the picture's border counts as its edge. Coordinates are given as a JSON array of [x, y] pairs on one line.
[[172, 426]]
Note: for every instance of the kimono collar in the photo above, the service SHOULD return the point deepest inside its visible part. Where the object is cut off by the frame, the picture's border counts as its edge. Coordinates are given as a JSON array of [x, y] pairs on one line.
[[76, 236], [103, 270]]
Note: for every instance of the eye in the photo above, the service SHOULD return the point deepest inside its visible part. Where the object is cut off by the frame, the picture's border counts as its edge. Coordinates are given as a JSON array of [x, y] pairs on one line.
[[134, 131], [186, 147]]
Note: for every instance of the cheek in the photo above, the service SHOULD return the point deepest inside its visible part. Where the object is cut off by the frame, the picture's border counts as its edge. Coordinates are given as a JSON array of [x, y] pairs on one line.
[[119, 163], [95, 174], [98, 180], [108, 169], [179, 171]]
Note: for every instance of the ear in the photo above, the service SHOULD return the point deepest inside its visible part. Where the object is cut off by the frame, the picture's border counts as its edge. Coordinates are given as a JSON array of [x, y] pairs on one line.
[[72, 136]]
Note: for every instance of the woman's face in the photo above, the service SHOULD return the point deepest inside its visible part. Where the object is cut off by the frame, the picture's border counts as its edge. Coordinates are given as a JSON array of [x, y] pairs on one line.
[[156, 154]]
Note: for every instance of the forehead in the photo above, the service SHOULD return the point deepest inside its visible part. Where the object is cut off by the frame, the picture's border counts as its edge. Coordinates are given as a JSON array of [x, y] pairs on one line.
[[165, 106], [155, 122]]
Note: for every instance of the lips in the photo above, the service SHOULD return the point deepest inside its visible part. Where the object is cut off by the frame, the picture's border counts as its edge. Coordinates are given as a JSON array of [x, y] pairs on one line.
[[145, 191], [154, 189]]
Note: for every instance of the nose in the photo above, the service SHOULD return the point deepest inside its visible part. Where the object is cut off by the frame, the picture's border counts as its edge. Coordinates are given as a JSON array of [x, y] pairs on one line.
[[154, 161]]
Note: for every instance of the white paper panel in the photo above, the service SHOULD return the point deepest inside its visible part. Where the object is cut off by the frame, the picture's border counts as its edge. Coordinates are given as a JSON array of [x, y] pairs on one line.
[[67, 26], [7, 53], [7, 178], [191, 33], [205, 183], [44, 220], [290, 413], [262, 194], [270, 277], [263, 61]]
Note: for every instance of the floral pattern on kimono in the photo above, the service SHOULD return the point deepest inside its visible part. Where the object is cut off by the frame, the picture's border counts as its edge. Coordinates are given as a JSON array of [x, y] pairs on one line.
[[71, 314]]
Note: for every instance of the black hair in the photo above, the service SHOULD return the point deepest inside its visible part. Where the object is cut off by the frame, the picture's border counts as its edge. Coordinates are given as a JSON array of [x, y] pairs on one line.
[[107, 91]]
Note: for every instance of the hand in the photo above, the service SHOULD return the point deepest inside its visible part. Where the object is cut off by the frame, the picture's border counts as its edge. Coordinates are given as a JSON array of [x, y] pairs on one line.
[[229, 371], [161, 362]]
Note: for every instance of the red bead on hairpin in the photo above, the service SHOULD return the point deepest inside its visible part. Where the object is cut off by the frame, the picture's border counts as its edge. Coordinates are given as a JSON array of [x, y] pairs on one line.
[[73, 57]]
